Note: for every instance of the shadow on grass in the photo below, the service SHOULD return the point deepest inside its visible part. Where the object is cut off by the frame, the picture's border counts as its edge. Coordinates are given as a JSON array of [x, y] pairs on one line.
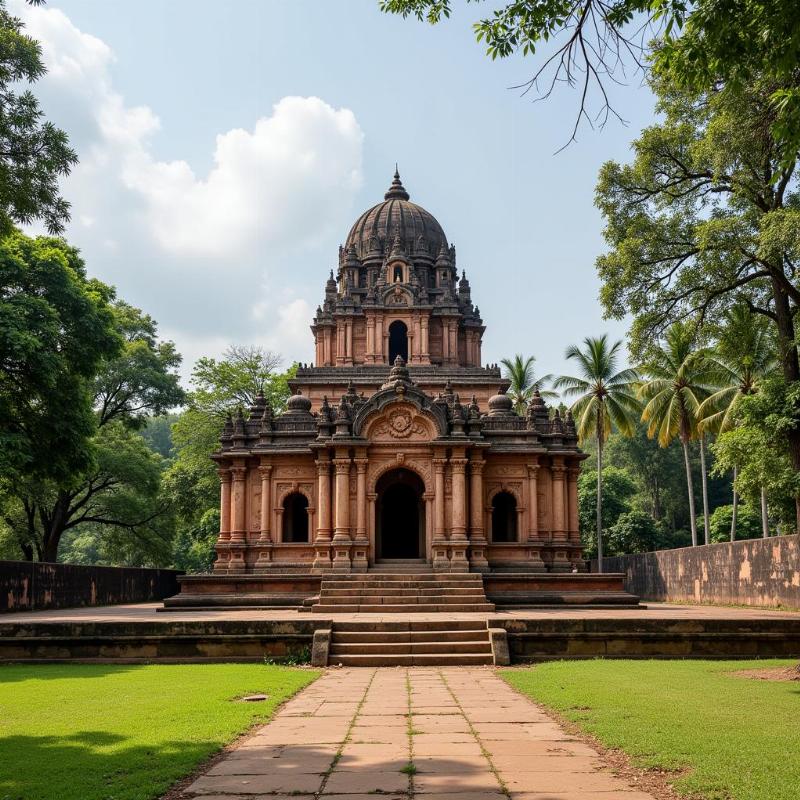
[[14, 672], [94, 765]]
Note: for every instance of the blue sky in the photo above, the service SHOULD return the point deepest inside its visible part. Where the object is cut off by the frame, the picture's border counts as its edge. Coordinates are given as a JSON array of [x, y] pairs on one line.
[[226, 147]]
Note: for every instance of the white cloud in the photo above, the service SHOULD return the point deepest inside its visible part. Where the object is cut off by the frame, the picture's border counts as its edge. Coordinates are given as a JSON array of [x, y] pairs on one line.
[[193, 249]]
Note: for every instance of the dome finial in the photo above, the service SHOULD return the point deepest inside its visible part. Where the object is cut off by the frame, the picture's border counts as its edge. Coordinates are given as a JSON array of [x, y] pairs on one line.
[[396, 190]]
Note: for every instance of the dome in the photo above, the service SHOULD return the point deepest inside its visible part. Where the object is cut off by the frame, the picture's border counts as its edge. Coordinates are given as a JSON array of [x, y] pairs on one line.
[[501, 405], [298, 404], [374, 232]]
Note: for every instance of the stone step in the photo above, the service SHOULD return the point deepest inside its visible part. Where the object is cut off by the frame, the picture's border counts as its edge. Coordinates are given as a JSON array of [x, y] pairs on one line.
[[399, 600], [400, 591], [389, 577], [405, 648], [414, 660], [411, 626], [414, 637], [421, 608]]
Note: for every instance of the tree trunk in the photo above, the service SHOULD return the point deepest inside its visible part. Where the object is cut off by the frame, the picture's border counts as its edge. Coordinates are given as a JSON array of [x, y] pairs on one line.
[[704, 479], [735, 505], [599, 505], [764, 514], [790, 366], [690, 488]]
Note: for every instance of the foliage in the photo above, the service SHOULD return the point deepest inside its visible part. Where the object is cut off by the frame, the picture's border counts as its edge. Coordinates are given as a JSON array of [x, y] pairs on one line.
[[56, 326], [748, 523], [618, 489], [34, 154], [116, 491], [759, 447], [634, 531], [520, 371], [157, 432], [191, 485], [700, 46], [604, 397], [126, 731], [723, 736]]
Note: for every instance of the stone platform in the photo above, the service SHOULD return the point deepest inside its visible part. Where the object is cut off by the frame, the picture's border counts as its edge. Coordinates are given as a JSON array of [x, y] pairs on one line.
[[401, 589], [137, 633]]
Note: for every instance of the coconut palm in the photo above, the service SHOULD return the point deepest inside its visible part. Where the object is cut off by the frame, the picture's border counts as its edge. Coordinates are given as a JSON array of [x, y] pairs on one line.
[[605, 399], [743, 357], [520, 371], [680, 379]]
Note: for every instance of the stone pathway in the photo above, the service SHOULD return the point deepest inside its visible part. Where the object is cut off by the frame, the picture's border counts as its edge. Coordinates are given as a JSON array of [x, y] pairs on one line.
[[436, 734]]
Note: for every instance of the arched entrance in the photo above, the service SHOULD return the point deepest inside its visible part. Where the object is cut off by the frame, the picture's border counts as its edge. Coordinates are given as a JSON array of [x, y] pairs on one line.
[[295, 518], [400, 515], [504, 517], [398, 341]]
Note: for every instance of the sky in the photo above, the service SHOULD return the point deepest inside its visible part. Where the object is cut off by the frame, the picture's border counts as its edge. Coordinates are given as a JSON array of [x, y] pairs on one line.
[[226, 146]]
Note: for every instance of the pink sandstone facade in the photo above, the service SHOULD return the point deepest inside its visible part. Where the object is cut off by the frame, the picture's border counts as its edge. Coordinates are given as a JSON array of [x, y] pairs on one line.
[[398, 444]]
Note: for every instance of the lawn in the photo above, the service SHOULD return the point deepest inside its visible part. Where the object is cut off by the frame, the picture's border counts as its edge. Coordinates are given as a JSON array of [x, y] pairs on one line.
[[739, 738], [102, 732]]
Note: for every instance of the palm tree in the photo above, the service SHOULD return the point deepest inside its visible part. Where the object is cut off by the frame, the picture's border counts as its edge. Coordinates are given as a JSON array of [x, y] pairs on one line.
[[605, 398], [520, 372], [681, 378], [743, 357]]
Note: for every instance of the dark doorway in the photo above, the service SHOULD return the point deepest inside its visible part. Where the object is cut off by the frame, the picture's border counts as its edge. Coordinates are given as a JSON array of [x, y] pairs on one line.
[[400, 516], [504, 517], [295, 518], [398, 341]]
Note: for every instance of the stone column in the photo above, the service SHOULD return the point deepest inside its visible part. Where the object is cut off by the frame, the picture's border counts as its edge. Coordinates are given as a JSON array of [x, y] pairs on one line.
[[349, 341], [440, 559], [361, 548], [561, 562], [322, 540], [340, 350], [341, 533], [370, 357], [371, 498], [454, 341], [221, 563], [239, 519], [477, 533], [425, 352], [534, 552], [429, 500], [458, 538], [265, 538], [445, 342]]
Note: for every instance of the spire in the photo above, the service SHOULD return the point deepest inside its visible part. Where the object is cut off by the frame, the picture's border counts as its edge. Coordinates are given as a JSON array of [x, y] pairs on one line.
[[396, 191]]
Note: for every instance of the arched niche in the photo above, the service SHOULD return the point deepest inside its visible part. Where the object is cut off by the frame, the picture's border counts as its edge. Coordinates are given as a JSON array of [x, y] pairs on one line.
[[398, 341], [504, 517]]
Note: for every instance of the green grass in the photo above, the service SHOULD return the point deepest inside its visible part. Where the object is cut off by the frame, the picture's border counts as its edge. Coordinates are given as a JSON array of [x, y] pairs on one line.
[[739, 738], [103, 732]]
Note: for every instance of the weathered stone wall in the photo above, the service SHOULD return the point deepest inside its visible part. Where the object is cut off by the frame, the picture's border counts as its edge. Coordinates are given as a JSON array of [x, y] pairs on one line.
[[756, 572], [33, 586]]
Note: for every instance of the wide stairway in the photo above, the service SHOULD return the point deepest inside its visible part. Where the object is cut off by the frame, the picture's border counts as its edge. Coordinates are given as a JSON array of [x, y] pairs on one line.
[[401, 586], [389, 644]]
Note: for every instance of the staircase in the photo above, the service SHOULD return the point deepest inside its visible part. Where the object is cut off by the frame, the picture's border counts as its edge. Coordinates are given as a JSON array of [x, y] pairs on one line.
[[401, 587], [390, 644]]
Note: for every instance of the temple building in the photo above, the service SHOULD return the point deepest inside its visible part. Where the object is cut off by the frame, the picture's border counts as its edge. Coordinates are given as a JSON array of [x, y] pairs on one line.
[[397, 444]]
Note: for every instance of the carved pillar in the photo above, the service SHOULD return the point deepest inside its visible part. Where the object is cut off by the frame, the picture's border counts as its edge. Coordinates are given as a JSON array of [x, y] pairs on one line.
[[561, 562], [379, 350], [429, 500], [360, 550], [370, 357], [265, 538], [371, 498], [239, 519], [534, 553], [440, 560], [458, 538], [425, 352], [477, 533], [349, 341], [453, 326], [322, 540], [221, 564], [341, 533]]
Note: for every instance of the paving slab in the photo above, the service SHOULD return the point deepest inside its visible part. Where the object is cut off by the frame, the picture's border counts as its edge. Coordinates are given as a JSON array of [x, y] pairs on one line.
[[444, 734]]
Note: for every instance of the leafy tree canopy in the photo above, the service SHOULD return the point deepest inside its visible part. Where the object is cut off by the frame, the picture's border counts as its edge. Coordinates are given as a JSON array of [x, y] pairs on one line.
[[56, 327], [34, 154]]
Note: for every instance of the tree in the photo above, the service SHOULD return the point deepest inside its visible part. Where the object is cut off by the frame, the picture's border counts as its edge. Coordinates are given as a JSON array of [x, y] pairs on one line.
[[604, 399], [117, 487], [520, 372], [680, 378], [34, 154], [619, 488], [705, 217], [743, 356], [634, 531], [191, 485], [56, 327], [748, 526], [699, 46]]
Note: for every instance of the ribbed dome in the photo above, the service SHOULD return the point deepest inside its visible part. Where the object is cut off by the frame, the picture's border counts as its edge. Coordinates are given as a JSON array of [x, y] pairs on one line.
[[373, 233]]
